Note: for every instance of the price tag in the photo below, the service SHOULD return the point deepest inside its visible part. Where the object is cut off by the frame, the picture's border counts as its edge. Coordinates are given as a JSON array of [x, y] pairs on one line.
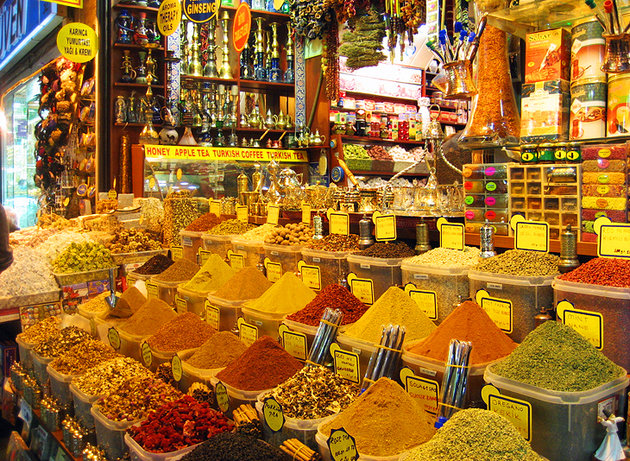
[[215, 207], [589, 324], [306, 214], [426, 300], [518, 412], [152, 290], [112, 194], [181, 304], [147, 355], [362, 289], [425, 391], [114, 338], [311, 276], [213, 315], [613, 239], [499, 310], [178, 252], [274, 270], [338, 223], [530, 235], [451, 234], [176, 367], [203, 256], [273, 214], [384, 227], [242, 214], [237, 261], [223, 399], [342, 446], [247, 333], [272, 412], [294, 343], [346, 363]]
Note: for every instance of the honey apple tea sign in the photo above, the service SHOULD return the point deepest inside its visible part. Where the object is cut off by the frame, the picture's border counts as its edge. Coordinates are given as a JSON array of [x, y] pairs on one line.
[[201, 11]]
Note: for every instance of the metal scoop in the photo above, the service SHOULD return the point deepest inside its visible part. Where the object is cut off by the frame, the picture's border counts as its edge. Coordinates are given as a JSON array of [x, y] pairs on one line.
[[112, 299]]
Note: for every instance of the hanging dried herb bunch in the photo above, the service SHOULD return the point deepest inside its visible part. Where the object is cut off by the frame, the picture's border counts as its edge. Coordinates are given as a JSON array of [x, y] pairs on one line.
[[311, 18], [362, 44]]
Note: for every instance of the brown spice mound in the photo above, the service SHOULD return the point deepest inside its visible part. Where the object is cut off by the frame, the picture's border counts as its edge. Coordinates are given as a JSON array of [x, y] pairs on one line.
[[264, 365], [220, 350], [468, 322], [186, 331], [149, 318], [248, 283], [180, 271]]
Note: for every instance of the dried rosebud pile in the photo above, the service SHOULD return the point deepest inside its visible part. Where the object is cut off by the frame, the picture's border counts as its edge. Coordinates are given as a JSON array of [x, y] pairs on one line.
[[179, 424]]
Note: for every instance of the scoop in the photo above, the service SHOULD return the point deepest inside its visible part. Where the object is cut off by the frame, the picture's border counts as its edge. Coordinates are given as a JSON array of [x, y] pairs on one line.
[[112, 299]]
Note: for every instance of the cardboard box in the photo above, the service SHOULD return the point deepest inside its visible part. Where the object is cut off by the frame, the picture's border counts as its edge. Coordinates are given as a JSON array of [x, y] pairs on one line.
[[547, 56], [545, 111]]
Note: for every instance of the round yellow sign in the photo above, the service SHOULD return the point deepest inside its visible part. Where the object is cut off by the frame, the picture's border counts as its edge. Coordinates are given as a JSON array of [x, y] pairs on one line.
[[77, 42], [169, 16]]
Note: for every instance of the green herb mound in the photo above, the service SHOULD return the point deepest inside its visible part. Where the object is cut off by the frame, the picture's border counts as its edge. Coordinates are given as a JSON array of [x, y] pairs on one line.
[[556, 357]]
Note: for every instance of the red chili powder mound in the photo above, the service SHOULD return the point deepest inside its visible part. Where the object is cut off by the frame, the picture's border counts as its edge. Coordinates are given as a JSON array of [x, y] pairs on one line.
[[264, 365], [468, 322], [333, 296]]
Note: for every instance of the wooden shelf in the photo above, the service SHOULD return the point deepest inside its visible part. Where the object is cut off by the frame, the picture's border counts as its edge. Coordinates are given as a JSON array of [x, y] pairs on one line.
[[503, 241], [261, 14], [380, 96], [260, 85], [137, 85], [132, 7], [136, 125], [246, 129], [379, 140], [210, 79], [385, 173], [135, 46]]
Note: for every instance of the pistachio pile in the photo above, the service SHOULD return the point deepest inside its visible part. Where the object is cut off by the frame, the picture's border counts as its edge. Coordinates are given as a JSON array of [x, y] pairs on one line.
[[520, 262]]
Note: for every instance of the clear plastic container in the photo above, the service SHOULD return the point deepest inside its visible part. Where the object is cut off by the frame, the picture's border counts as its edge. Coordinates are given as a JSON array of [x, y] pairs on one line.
[[136, 257], [363, 349], [217, 244], [252, 251], [158, 358], [130, 344], [137, 453], [133, 277], [167, 290], [82, 404], [110, 435], [612, 303], [191, 242], [103, 325], [333, 265], [267, 323], [527, 294], [287, 255], [60, 388], [384, 273], [191, 374], [195, 300], [75, 278], [40, 372], [448, 283], [228, 313], [307, 330], [238, 397], [322, 444], [564, 424], [25, 350]]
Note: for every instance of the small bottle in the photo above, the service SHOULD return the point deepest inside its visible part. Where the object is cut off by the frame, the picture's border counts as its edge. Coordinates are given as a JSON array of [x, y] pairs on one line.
[[422, 238], [486, 234]]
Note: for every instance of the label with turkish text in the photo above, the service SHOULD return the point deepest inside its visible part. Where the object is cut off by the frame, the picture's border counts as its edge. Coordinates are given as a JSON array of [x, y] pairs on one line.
[[452, 236], [274, 271], [346, 364], [237, 261], [614, 241], [223, 399], [181, 305], [426, 300], [247, 333], [204, 255], [152, 290], [294, 343], [589, 324], [311, 277], [242, 213], [499, 310], [306, 214], [363, 289], [518, 412], [425, 391], [532, 236], [385, 228], [215, 207], [273, 214], [177, 252], [147, 355], [342, 446], [339, 223], [212, 315], [176, 367], [272, 412], [114, 338]]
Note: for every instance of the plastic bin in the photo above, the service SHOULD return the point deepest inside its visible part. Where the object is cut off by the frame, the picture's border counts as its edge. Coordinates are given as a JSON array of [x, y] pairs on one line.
[[40, 372], [228, 313], [252, 251], [130, 344], [333, 265], [82, 404], [110, 435], [564, 424], [266, 323], [167, 290], [75, 278], [238, 397], [136, 257], [60, 388], [363, 348], [217, 244], [287, 255], [195, 300], [103, 326], [322, 444], [448, 283], [158, 358], [25, 350], [384, 273], [137, 453], [133, 277], [612, 303], [191, 242], [308, 330], [527, 294], [192, 374]]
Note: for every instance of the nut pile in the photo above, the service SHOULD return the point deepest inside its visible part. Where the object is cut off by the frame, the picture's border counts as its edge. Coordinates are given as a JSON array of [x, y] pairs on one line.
[[133, 241], [335, 242], [82, 357], [231, 227], [41, 331], [81, 257], [104, 378], [57, 344], [446, 257], [314, 392], [291, 234], [521, 262], [258, 234], [388, 250]]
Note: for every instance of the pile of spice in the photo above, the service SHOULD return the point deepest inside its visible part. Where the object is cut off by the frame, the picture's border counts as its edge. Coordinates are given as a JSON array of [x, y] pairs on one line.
[[230, 227], [335, 297], [314, 392], [179, 424], [82, 357], [291, 234], [388, 250], [258, 234], [30, 273], [446, 257], [155, 265], [247, 283], [82, 257], [97, 305], [205, 222], [104, 378], [41, 331], [335, 242], [217, 352], [186, 331], [180, 271], [286, 296], [612, 272], [136, 397], [475, 435], [214, 274], [395, 307], [164, 371], [129, 303], [229, 446], [384, 421], [520, 262], [149, 318], [556, 357], [468, 322], [264, 365], [134, 240], [59, 343]]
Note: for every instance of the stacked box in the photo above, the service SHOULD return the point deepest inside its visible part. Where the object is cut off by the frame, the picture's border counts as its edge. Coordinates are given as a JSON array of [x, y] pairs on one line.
[[545, 111], [549, 193], [486, 189], [604, 186]]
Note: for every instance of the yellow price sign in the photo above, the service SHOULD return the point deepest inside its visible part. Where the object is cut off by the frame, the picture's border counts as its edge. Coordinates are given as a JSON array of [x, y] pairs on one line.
[[384, 227], [342, 446], [588, 323], [272, 412], [425, 391], [274, 270], [306, 214], [223, 399], [518, 412], [215, 207], [176, 367], [77, 42], [339, 223], [273, 214], [169, 16], [152, 290], [294, 342], [204, 255], [530, 235], [451, 234], [247, 333], [242, 213], [177, 252], [613, 239], [362, 289], [425, 299], [147, 355], [311, 276], [237, 261], [213, 315], [346, 363], [114, 338], [181, 304], [499, 310]]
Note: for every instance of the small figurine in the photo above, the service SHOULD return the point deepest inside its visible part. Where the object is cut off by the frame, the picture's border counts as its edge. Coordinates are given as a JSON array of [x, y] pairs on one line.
[[610, 449]]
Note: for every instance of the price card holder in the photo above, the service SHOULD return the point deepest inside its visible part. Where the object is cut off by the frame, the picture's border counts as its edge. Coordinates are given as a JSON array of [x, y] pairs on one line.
[[176, 367], [306, 214], [272, 413], [451, 234], [311, 276], [338, 222], [274, 270], [426, 300], [147, 355], [273, 214], [181, 304], [589, 324], [114, 338], [294, 343], [242, 213], [613, 240], [362, 288], [518, 412], [346, 363], [152, 290], [213, 315], [425, 391], [530, 235], [498, 309], [203, 256], [223, 399], [247, 333], [215, 207], [237, 261], [177, 252], [384, 227], [342, 446]]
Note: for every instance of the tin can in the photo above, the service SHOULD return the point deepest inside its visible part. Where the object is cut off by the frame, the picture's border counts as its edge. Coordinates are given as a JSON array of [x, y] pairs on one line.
[[587, 50], [619, 105], [588, 109]]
